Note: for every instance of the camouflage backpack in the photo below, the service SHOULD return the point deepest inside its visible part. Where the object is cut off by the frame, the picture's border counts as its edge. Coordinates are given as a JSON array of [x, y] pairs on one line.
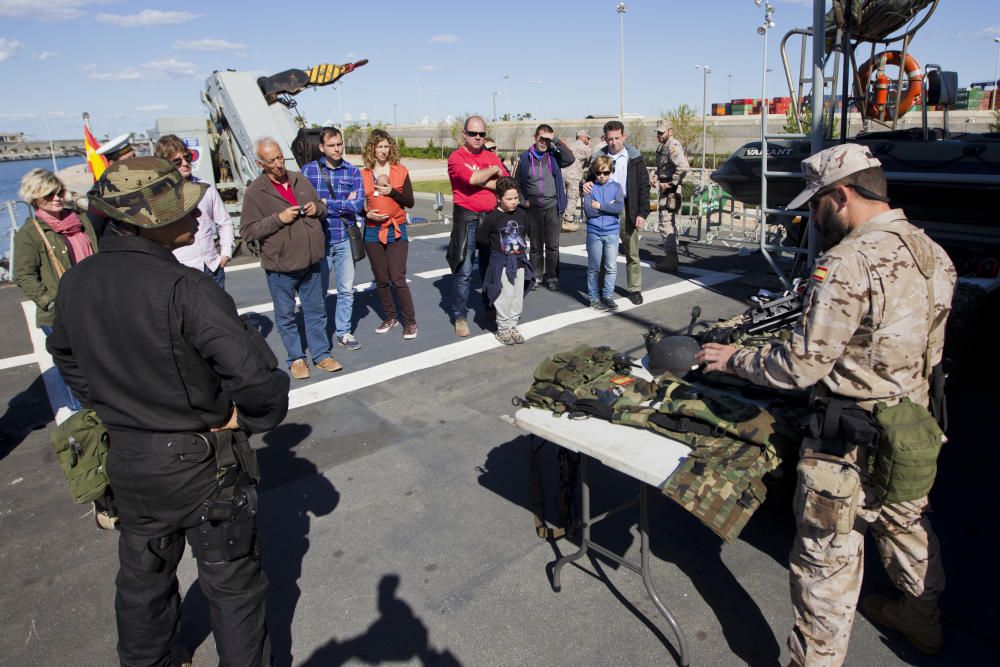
[[586, 380]]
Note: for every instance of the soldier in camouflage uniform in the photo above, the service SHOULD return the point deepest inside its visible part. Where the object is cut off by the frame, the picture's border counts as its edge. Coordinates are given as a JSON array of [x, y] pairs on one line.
[[671, 168], [873, 320], [572, 175]]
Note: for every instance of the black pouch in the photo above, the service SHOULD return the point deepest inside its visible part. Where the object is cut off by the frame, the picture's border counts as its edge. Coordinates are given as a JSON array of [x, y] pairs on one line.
[[357, 239]]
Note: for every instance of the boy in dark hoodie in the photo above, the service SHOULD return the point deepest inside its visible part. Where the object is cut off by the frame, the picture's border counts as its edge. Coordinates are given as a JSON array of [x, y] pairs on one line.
[[509, 271]]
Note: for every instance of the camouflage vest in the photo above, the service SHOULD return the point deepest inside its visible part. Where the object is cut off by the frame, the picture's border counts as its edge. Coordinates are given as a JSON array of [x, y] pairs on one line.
[[586, 380]]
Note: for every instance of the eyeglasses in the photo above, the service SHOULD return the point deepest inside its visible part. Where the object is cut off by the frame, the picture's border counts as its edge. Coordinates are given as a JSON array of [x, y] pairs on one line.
[[481, 135], [604, 173], [182, 158], [490, 148]]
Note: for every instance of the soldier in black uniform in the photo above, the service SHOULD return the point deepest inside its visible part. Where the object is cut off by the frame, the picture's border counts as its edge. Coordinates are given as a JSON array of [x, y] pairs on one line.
[[158, 351]]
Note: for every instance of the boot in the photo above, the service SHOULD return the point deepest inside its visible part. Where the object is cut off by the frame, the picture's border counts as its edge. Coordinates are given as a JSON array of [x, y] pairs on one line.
[[917, 620], [668, 264], [570, 226]]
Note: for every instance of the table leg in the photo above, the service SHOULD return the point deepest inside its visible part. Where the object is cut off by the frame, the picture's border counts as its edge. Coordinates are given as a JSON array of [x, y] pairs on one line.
[[585, 518], [647, 578]]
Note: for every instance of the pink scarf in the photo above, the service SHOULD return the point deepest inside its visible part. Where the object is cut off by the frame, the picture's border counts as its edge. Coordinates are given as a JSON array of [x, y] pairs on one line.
[[72, 231]]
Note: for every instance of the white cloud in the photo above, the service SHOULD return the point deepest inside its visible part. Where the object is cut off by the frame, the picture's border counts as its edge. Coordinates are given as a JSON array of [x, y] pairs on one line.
[[45, 55], [8, 48], [162, 69], [146, 17], [991, 31], [152, 107], [49, 10], [428, 68], [17, 116], [445, 39], [351, 55], [208, 45]]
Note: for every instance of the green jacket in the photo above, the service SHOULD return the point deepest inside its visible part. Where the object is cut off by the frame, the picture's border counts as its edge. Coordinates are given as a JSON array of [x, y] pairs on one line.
[[33, 270]]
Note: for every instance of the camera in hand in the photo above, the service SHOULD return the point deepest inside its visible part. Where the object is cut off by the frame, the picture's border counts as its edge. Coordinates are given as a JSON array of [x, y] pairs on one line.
[[302, 211]]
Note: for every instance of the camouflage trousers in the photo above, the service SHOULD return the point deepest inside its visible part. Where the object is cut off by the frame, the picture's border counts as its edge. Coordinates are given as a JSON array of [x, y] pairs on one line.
[[826, 568], [668, 219], [573, 199]]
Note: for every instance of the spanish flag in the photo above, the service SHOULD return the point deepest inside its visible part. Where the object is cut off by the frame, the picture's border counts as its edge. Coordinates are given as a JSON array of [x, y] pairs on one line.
[[96, 163]]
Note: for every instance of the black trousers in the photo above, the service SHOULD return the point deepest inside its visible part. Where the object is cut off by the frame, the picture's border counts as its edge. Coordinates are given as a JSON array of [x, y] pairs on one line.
[[543, 235], [160, 491]]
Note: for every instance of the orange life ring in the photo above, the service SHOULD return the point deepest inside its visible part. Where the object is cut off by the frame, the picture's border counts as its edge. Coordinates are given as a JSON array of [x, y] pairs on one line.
[[878, 101]]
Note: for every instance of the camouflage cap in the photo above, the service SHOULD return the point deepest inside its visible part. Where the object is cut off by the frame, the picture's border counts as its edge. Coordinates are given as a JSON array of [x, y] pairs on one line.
[[829, 166], [663, 125], [146, 192]]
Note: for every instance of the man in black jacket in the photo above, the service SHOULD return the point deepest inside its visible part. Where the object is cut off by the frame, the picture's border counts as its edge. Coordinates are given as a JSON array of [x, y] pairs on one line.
[[158, 351], [630, 173]]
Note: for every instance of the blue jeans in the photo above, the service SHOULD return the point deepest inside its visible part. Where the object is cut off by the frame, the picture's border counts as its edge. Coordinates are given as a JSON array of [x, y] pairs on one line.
[[63, 394], [308, 283], [340, 262], [219, 275], [462, 280], [602, 251]]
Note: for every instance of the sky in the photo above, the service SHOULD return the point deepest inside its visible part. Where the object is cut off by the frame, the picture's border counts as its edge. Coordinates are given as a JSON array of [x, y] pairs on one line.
[[128, 62]]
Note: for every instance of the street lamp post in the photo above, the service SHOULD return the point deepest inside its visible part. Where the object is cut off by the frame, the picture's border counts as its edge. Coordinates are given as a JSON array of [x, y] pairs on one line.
[[996, 75], [506, 78], [621, 9], [706, 70], [730, 87], [494, 106]]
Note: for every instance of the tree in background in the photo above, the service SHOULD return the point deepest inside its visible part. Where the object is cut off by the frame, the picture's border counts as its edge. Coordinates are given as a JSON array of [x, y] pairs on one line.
[[791, 127], [687, 126], [354, 137], [637, 131]]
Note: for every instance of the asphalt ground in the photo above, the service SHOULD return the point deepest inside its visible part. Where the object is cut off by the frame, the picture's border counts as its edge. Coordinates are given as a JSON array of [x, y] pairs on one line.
[[396, 518]]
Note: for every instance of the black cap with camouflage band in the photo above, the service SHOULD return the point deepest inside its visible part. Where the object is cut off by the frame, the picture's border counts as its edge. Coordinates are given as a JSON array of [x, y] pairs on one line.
[[146, 192]]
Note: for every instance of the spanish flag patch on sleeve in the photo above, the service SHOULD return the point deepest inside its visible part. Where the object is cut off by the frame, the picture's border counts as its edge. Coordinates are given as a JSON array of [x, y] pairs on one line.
[[819, 275]]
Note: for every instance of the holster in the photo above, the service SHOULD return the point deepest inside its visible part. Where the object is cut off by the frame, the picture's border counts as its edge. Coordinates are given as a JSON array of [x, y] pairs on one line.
[[838, 425]]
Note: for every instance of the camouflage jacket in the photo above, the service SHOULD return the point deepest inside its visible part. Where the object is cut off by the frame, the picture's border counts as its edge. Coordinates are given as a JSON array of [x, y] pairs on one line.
[[671, 163], [865, 325]]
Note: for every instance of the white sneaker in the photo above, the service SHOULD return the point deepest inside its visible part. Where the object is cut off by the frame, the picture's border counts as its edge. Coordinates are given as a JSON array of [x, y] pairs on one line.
[[349, 341]]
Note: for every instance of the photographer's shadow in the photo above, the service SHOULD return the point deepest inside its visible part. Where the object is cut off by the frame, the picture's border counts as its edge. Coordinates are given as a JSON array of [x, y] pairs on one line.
[[283, 525]]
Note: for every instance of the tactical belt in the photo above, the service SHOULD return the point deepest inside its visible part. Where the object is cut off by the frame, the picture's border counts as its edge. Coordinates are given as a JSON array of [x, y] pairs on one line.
[[148, 440]]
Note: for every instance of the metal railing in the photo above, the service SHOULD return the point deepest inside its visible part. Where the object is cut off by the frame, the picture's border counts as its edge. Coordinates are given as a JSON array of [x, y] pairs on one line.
[[8, 213]]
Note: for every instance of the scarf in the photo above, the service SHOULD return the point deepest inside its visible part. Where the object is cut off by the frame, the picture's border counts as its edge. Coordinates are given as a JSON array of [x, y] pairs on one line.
[[72, 232]]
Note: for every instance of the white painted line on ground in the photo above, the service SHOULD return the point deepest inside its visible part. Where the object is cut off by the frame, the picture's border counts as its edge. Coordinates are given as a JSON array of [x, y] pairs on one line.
[[337, 386], [436, 273], [20, 360], [429, 237], [242, 267], [269, 306], [45, 365]]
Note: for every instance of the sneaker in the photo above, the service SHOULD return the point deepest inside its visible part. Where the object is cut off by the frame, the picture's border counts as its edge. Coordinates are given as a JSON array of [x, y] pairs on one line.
[[505, 337], [609, 303], [635, 297], [349, 341], [516, 335], [599, 306], [410, 331], [299, 370], [386, 325], [552, 284], [330, 365], [461, 327]]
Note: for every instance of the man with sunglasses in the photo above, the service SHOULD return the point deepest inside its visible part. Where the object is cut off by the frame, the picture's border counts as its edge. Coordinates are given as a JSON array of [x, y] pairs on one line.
[[473, 173], [213, 218], [539, 177], [671, 168], [869, 336]]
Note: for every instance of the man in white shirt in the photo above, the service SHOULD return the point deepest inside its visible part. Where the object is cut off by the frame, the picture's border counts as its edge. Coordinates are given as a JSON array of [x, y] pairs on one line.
[[213, 219]]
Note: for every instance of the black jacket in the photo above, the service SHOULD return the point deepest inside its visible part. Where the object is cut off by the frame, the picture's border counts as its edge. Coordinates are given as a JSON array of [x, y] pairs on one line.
[[636, 184], [152, 345]]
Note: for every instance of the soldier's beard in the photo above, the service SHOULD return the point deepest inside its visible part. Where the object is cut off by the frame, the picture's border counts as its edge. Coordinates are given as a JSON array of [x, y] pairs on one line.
[[831, 225]]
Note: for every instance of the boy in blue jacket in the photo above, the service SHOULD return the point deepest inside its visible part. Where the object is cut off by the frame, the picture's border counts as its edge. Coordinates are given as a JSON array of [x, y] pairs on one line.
[[603, 206]]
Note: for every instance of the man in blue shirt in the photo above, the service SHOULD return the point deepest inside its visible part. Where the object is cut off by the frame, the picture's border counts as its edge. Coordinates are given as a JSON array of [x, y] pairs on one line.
[[338, 183]]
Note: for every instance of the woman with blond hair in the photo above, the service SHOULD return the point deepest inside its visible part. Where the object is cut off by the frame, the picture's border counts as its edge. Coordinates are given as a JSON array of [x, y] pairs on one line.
[[387, 193], [51, 241]]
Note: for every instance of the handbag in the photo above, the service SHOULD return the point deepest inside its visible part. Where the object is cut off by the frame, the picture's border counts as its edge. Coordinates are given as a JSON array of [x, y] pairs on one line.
[[354, 235]]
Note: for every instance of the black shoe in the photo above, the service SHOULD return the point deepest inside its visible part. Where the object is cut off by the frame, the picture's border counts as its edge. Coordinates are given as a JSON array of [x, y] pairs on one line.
[[609, 303], [599, 306], [635, 297], [552, 284]]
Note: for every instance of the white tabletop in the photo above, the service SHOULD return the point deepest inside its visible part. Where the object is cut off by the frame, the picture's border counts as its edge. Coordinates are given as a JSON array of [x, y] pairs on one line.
[[644, 455]]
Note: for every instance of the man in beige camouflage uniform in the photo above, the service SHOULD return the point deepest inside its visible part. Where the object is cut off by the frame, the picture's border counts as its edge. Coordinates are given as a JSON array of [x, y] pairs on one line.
[[671, 168], [572, 175], [863, 335]]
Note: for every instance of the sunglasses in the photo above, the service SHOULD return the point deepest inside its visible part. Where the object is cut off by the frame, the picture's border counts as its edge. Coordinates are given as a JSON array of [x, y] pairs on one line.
[[481, 135], [491, 148], [184, 157], [52, 195], [604, 173]]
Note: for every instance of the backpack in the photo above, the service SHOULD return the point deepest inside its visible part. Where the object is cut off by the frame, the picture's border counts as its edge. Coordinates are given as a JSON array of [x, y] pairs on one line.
[[81, 447]]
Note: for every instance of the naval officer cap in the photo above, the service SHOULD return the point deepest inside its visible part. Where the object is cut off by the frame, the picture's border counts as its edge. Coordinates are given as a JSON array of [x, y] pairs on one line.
[[115, 148], [829, 166]]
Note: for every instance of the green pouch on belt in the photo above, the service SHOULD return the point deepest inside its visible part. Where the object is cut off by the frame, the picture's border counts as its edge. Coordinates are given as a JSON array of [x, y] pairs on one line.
[[81, 447], [905, 465]]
